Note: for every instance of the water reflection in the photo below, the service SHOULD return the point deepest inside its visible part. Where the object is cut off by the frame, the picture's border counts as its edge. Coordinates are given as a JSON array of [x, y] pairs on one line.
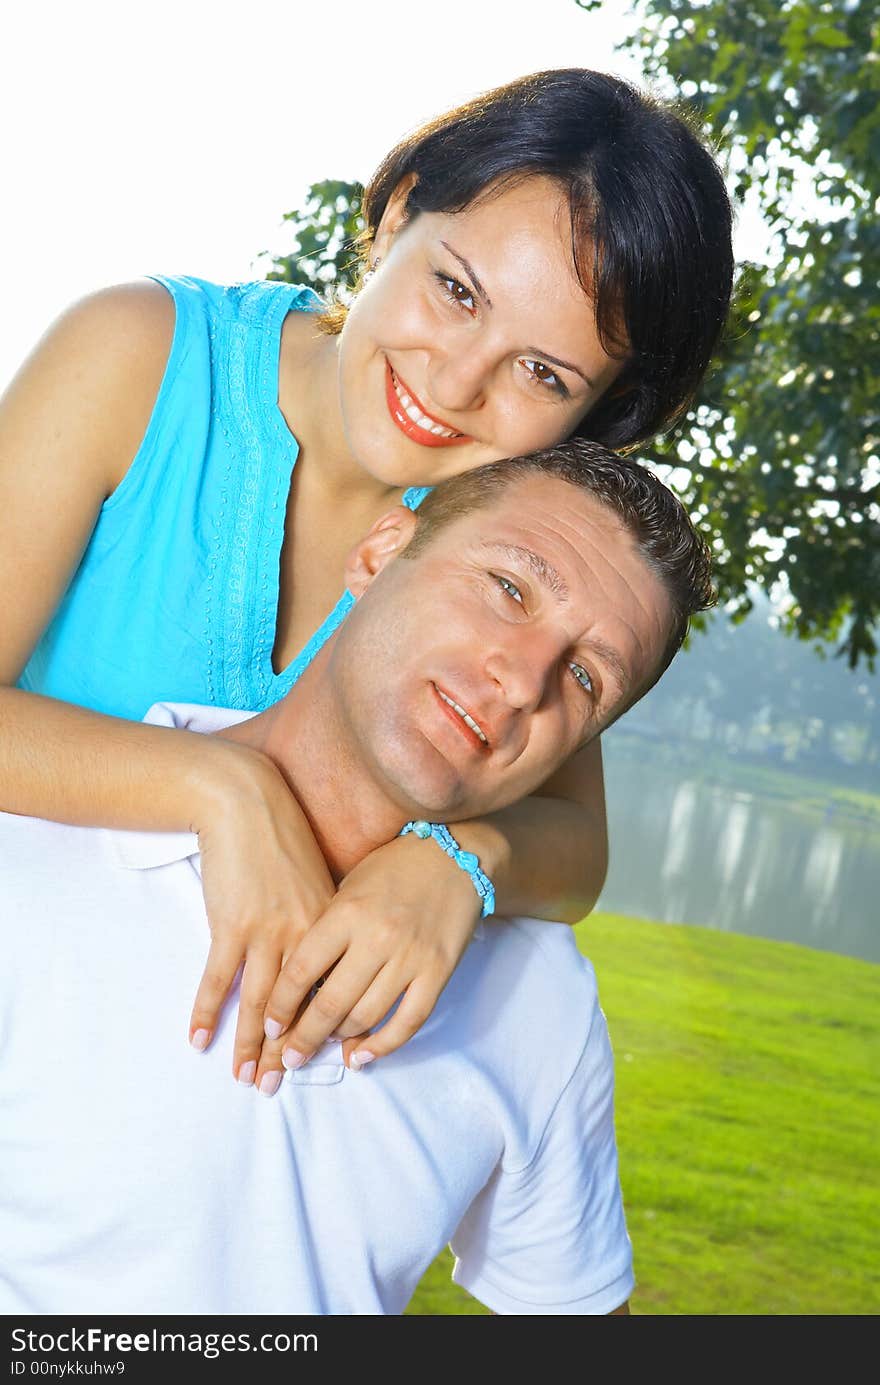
[[689, 851]]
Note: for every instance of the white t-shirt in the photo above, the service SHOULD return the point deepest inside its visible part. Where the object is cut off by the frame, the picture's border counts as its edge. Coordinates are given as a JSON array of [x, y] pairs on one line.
[[137, 1177]]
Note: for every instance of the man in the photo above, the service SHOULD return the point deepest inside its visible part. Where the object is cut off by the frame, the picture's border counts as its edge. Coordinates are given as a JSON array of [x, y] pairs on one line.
[[533, 602]]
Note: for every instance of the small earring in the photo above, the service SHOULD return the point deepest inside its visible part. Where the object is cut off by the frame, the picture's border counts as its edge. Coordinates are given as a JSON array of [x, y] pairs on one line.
[[370, 272]]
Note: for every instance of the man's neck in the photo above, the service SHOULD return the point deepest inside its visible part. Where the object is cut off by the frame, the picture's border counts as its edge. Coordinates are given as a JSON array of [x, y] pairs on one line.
[[348, 813]]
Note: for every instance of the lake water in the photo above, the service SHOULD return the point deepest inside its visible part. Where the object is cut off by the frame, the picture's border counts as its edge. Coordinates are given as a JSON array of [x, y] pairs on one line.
[[688, 850]]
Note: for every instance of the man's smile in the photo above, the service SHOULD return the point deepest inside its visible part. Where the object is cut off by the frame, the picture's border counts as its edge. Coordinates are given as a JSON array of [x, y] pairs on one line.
[[462, 720]]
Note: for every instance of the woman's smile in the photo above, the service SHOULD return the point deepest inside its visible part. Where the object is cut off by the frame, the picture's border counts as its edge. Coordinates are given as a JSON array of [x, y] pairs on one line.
[[413, 419]]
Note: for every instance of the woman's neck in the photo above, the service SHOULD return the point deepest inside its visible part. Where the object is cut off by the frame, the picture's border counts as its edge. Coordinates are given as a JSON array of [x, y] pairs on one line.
[[308, 396]]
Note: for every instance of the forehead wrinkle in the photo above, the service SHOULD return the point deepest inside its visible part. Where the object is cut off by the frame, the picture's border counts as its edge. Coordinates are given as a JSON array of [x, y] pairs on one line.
[[613, 557], [543, 570]]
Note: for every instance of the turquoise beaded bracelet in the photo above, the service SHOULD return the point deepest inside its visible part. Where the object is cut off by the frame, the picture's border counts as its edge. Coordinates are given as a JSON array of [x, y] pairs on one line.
[[465, 859]]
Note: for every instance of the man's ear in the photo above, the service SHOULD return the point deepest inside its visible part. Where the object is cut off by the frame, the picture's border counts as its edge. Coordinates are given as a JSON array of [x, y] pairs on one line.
[[394, 217], [385, 540]]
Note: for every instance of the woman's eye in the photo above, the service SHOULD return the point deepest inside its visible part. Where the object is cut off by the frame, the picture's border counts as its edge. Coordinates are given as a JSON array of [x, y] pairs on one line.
[[582, 677], [456, 292], [541, 374], [510, 587]]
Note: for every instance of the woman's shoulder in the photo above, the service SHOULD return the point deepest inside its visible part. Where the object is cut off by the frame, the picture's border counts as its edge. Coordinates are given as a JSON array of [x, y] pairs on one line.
[[131, 316], [98, 366], [143, 312], [250, 301]]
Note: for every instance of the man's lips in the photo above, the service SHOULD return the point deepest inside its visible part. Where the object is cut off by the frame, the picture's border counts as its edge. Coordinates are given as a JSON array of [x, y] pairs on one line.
[[472, 737], [402, 404]]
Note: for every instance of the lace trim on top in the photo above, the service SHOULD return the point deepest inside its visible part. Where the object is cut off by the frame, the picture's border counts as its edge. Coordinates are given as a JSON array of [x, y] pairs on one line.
[[261, 452]]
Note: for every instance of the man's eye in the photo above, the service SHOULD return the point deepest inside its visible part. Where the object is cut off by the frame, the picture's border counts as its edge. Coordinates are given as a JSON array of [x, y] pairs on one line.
[[510, 587], [456, 292], [582, 677], [541, 374]]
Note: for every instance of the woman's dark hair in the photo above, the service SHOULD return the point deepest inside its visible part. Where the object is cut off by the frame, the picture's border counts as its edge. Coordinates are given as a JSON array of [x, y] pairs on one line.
[[650, 221]]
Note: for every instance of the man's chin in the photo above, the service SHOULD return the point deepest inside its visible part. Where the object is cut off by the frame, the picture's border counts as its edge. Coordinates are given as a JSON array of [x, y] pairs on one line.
[[434, 797]]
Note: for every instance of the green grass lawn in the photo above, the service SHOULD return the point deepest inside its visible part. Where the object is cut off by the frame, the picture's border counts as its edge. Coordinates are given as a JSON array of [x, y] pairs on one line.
[[748, 1116]]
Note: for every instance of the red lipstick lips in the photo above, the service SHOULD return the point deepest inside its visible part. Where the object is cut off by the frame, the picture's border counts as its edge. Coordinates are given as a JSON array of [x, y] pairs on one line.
[[407, 425]]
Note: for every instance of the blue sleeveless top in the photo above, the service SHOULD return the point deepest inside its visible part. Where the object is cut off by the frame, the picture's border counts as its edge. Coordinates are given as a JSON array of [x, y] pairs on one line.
[[176, 596]]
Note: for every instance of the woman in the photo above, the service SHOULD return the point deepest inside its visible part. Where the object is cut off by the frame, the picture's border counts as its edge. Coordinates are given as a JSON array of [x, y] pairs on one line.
[[552, 258]]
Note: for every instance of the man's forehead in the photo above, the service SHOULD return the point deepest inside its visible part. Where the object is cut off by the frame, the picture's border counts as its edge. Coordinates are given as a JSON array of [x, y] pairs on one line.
[[550, 518]]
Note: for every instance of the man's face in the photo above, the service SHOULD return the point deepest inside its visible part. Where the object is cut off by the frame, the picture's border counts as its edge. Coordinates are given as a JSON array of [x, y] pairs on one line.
[[466, 675]]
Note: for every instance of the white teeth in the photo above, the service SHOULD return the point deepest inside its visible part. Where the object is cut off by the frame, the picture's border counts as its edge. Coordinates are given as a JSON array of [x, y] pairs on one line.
[[468, 720], [415, 415]]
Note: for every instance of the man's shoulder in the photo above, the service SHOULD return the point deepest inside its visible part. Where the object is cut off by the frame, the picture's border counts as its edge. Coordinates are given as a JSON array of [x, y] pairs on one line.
[[555, 965], [540, 991]]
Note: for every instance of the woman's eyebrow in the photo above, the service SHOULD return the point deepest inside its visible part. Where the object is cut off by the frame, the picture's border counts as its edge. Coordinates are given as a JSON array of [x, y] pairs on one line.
[[563, 365], [535, 350], [468, 269]]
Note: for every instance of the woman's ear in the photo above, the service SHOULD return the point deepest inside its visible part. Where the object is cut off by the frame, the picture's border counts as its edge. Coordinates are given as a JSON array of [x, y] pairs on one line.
[[394, 217], [385, 541]]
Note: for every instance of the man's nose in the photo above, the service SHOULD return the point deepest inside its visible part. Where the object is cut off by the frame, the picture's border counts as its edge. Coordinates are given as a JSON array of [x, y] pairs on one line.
[[522, 666]]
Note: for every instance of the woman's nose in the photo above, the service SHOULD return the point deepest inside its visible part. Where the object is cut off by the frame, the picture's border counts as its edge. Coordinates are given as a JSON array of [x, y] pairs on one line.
[[459, 380]]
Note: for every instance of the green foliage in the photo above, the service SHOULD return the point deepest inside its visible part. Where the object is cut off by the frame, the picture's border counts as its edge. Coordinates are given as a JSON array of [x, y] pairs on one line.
[[324, 235], [781, 453]]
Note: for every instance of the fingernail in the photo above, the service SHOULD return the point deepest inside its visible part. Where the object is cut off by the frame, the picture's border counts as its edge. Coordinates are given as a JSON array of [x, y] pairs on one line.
[[273, 1029], [270, 1082], [247, 1072], [360, 1059], [200, 1039], [293, 1059]]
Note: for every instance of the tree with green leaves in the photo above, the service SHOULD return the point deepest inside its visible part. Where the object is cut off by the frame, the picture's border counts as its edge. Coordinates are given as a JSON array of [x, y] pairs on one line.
[[779, 457], [324, 234], [781, 451]]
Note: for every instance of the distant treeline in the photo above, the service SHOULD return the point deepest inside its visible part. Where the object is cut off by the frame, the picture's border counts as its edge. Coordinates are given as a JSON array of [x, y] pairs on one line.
[[749, 690]]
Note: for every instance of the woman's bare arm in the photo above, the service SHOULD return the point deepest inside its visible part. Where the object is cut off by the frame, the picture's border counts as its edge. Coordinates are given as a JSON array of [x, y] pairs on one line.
[[548, 855], [70, 424]]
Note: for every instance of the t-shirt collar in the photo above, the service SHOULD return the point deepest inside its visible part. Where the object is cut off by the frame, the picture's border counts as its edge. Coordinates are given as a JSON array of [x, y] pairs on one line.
[[148, 850]]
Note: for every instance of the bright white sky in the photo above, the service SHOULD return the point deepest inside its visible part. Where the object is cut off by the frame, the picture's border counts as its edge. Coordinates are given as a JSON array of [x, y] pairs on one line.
[[172, 137]]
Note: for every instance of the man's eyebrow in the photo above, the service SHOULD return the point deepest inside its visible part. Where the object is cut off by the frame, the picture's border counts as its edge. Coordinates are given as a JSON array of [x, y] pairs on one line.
[[544, 571], [612, 660], [547, 575], [534, 350], [550, 579]]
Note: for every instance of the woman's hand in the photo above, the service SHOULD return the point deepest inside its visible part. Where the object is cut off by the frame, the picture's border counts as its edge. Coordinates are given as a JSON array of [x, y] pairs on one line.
[[265, 882], [396, 927]]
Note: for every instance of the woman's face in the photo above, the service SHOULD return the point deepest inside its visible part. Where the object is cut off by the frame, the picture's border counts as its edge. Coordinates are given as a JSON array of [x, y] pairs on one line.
[[472, 342]]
